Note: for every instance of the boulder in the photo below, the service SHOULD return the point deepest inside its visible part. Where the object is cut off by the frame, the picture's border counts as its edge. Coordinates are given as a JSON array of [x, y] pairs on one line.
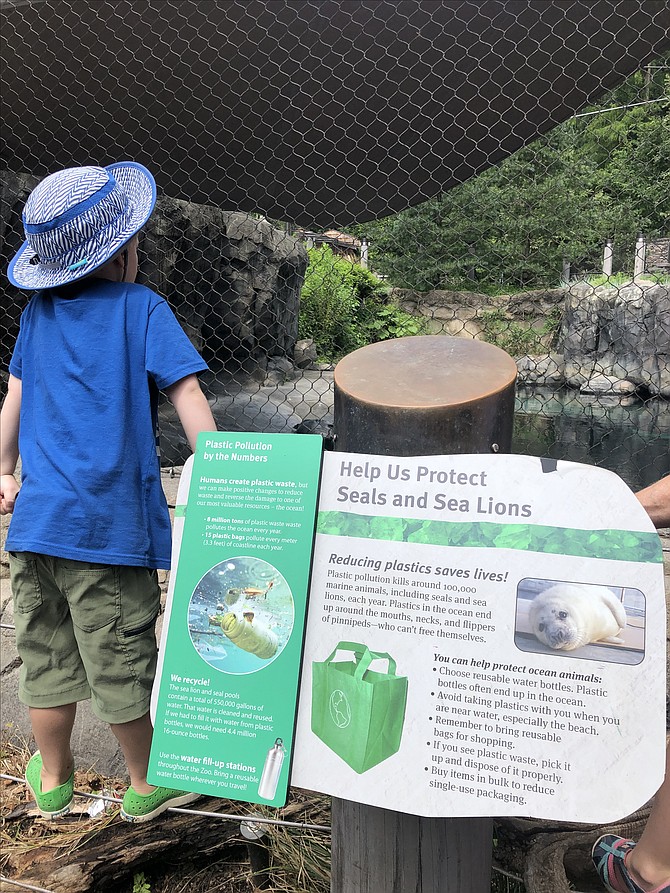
[[608, 386], [305, 354], [620, 334], [540, 370], [233, 279]]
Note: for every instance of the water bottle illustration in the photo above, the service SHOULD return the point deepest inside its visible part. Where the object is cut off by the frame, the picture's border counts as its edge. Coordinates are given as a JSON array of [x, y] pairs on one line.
[[272, 770]]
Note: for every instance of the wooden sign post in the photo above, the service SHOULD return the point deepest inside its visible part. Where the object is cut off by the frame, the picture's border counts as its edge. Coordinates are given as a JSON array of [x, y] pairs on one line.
[[425, 395]]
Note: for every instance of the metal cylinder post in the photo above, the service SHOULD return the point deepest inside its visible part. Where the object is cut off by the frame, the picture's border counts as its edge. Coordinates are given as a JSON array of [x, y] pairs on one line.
[[425, 395], [640, 256], [608, 254]]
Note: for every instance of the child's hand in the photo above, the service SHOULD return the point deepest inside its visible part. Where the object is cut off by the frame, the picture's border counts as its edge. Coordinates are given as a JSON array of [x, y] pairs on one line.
[[8, 492]]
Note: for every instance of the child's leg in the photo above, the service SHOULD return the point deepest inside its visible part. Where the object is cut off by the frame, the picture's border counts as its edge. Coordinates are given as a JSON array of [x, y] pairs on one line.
[[650, 860], [114, 612], [135, 740], [52, 728], [52, 677], [143, 801]]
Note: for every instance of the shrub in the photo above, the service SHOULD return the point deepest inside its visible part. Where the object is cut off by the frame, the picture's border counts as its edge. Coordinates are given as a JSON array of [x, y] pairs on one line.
[[516, 339], [343, 307], [328, 304]]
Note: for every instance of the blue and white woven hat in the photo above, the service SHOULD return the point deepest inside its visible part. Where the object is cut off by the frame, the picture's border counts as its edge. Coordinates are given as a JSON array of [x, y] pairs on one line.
[[77, 219]]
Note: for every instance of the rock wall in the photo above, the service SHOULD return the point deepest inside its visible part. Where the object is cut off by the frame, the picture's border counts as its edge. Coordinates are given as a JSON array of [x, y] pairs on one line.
[[233, 280], [612, 338], [14, 190], [461, 313], [612, 341]]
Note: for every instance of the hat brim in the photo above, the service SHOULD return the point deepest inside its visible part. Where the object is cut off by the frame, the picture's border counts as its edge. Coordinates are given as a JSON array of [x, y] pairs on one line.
[[139, 184]]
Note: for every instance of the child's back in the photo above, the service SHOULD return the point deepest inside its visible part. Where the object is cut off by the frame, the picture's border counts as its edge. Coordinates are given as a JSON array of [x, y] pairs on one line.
[[91, 364], [90, 522]]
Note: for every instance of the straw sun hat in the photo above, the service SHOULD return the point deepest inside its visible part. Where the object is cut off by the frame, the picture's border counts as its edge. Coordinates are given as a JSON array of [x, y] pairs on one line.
[[77, 219]]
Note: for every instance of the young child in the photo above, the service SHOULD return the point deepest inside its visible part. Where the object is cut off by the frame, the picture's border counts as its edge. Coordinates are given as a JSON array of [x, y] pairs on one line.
[[90, 523]]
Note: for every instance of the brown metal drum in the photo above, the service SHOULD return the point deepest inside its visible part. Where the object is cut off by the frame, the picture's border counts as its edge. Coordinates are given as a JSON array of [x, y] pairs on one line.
[[425, 395]]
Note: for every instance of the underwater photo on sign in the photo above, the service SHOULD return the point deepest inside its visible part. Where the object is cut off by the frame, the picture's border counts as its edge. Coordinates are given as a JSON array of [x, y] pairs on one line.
[[241, 615]]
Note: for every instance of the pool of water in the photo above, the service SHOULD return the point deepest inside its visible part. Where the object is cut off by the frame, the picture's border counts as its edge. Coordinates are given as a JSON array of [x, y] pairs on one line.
[[628, 436]]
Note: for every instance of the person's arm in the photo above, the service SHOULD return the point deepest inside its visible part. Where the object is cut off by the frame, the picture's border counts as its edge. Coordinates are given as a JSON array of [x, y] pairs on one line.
[[9, 445], [192, 407], [655, 499]]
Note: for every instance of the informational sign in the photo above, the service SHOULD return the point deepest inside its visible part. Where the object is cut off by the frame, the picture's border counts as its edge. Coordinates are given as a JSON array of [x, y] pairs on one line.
[[225, 699], [486, 636]]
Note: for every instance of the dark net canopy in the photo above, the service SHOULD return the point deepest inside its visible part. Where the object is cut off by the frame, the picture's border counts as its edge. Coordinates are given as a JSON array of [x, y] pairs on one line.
[[307, 110]]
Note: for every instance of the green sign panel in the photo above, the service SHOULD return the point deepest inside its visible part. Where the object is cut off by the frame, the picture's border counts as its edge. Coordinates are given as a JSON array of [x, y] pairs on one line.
[[225, 700]]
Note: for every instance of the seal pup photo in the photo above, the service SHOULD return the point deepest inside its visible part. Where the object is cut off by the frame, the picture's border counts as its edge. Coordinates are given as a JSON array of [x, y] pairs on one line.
[[569, 615]]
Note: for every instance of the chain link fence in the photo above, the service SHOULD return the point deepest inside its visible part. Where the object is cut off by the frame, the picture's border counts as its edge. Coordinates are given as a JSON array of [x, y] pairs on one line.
[[336, 173]]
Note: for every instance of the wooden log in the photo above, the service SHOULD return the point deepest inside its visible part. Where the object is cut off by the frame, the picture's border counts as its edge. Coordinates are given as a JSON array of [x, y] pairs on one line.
[[554, 857], [111, 855], [80, 855]]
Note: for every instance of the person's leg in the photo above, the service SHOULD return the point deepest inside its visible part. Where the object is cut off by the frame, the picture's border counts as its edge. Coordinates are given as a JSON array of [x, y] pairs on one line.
[[52, 729], [649, 862], [135, 740], [626, 867], [117, 643], [143, 801], [52, 678]]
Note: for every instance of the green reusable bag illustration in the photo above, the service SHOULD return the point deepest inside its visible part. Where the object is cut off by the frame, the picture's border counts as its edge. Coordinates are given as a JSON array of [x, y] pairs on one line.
[[358, 712]]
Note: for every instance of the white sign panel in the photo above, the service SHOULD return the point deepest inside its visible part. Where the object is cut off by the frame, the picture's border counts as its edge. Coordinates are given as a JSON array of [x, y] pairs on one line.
[[480, 631]]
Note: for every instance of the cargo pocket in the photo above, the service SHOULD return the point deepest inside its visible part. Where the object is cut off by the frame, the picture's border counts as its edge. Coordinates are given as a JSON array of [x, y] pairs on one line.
[[135, 631], [92, 592], [25, 579]]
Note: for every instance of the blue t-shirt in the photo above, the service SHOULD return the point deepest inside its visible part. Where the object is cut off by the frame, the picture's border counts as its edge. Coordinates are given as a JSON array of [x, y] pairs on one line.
[[91, 365]]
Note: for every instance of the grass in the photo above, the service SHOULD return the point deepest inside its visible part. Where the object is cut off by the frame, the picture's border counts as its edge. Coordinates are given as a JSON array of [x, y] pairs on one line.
[[617, 280]]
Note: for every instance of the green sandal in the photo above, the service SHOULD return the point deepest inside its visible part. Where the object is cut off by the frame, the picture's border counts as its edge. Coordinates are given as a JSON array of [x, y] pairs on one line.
[[50, 804], [144, 807]]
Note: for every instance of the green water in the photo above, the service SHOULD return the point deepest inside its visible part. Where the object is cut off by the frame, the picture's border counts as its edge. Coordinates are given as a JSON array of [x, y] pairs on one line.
[[631, 437]]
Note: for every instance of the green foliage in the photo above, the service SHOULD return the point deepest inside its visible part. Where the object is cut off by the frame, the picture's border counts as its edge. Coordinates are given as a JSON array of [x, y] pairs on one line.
[[328, 304], [140, 883], [516, 339], [390, 321], [619, 279], [343, 307]]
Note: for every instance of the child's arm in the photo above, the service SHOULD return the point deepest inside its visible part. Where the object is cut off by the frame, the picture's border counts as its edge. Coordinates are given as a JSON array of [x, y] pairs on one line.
[[9, 445], [192, 407], [655, 500]]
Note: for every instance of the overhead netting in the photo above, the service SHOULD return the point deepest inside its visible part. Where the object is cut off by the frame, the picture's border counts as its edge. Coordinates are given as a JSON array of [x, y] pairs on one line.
[[336, 173]]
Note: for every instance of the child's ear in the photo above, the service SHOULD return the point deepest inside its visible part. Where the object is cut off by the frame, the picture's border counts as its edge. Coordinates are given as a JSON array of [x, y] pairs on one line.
[[112, 269]]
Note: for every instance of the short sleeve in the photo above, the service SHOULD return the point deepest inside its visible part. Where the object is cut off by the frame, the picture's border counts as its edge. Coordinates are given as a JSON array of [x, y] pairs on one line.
[[16, 362], [170, 356]]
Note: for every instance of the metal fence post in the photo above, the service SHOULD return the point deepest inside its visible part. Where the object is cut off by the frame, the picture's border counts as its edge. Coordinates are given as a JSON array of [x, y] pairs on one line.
[[424, 395], [640, 256], [608, 253]]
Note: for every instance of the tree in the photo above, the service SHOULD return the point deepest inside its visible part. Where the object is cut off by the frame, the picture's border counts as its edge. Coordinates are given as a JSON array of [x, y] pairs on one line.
[[592, 178], [510, 226]]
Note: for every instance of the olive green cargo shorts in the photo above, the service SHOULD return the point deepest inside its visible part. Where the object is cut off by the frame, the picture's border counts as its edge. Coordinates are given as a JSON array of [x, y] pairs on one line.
[[85, 631]]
